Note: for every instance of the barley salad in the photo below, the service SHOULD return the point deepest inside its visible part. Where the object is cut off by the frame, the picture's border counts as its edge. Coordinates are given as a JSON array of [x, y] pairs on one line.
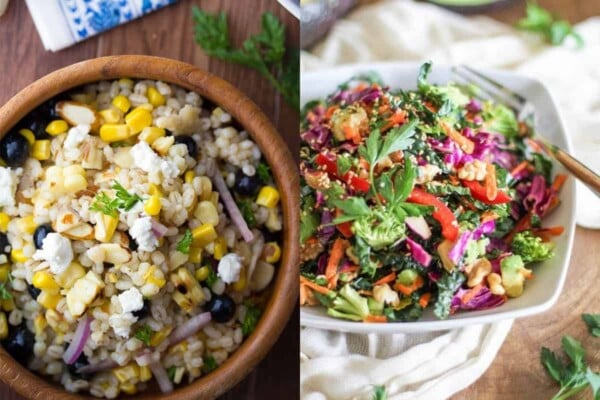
[[139, 232]]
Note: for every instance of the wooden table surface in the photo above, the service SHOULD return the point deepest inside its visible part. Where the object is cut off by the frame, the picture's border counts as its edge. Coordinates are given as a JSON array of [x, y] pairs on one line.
[[169, 33], [516, 373]]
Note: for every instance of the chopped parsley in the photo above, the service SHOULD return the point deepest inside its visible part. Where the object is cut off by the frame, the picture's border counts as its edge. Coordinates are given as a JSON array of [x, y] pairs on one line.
[[251, 318], [379, 393], [245, 206], [264, 172], [144, 334], [171, 372], [5, 293], [123, 201], [185, 243], [210, 364], [212, 277]]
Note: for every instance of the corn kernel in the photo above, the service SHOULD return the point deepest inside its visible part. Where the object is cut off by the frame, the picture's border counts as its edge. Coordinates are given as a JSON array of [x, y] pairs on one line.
[[41, 150], [45, 281], [54, 171], [203, 235], [206, 188], [189, 176], [154, 190], [151, 133], [114, 133], [39, 324], [188, 292], [4, 271], [128, 388], [3, 326], [195, 255], [26, 224], [112, 277], [159, 336], [4, 220], [153, 206], [206, 212], [105, 228], [17, 256], [214, 198], [145, 374], [163, 144], [48, 300], [8, 305], [240, 284], [151, 278], [111, 115], [57, 127], [67, 279], [126, 82], [272, 252], [75, 183], [122, 103], [28, 134], [220, 248], [155, 98], [202, 273], [74, 169], [138, 119], [268, 197], [127, 373]]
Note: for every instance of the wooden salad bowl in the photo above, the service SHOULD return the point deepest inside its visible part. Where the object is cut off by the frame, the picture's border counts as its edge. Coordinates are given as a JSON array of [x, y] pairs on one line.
[[284, 289]]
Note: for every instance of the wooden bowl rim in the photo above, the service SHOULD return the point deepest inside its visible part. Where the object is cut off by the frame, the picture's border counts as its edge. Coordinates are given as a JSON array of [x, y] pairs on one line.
[[284, 294]]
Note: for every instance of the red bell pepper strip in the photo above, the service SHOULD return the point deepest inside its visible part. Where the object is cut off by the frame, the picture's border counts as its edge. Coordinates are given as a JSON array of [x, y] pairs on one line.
[[350, 177], [479, 192], [441, 214]]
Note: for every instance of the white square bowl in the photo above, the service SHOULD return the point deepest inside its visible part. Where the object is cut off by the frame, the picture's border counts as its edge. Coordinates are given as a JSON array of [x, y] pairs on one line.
[[541, 292]]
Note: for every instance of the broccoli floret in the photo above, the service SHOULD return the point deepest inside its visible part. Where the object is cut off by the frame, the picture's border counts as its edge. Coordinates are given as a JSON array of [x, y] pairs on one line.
[[379, 233], [349, 305], [531, 248]]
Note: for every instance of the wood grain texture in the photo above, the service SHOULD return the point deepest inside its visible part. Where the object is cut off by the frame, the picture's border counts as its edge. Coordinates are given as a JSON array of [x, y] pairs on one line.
[[169, 33]]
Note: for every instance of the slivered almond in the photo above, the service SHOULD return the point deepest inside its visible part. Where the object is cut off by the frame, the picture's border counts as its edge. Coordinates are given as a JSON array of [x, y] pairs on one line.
[[65, 220], [112, 253], [82, 231], [92, 155], [76, 113]]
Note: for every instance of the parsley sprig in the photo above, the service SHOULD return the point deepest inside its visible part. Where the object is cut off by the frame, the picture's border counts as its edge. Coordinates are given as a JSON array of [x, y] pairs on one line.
[[5, 293], [108, 206], [144, 334], [379, 393], [209, 364], [183, 246], [253, 313], [554, 30], [264, 52]]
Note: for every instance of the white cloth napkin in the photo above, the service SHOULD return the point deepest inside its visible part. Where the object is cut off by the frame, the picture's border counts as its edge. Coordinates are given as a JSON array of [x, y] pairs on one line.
[[62, 23], [338, 366]]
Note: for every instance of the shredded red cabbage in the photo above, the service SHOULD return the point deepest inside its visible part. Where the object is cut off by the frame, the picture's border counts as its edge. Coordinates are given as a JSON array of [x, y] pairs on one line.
[[418, 252], [484, 299]]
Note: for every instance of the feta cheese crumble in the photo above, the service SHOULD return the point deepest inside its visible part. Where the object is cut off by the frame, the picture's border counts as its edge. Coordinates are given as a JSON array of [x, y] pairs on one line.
[[77, 135], [121, 323], [131, 300], [229, 268], [148, 161], [141, 231], [57, 251], [8, 183]]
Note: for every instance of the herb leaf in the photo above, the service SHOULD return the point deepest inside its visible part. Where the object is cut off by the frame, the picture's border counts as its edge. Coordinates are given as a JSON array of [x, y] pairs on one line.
[[5, 293], [379, 393], [555, 31], [104, 204], [264, 172], [594, 380], [209, 365], [212, 277], [574, 350], [171, 372], [144, 334], [245, 206], [183, 246], [552, 364], [264, 52], [593, 323], [127, 200], [251, 318]]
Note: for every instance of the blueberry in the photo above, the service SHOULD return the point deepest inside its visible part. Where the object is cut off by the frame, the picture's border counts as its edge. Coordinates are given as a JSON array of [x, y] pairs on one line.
[[33, 291], [246, 185], [192, 148], [14, 149], [133, 246], [144, 312], [40, 234], [81, 362], [36, 124], [19, 343], [4, 244], [221, 307]]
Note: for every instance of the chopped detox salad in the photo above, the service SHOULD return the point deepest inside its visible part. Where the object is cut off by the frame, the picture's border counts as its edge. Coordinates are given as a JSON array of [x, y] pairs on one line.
[[419, 199]]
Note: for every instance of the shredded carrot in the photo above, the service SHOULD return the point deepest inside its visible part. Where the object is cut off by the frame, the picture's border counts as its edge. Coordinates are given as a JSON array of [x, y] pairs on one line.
[[471, 293], [464, 143], [453, 180], [314, 286], [488, 216], [352, 133], [535, 146], [430, 106], [337, 252], [360, 86], [398, 117], [407, 290], [523, 224], [491, 186], [522, 165], [558, 182], [375, 318], [546, 233], [424, 299], [330, 111], [386, 279]]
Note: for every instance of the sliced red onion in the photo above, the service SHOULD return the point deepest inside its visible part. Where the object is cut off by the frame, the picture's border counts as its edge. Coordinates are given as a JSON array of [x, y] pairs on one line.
[[104, 365], [81, 336], [162, 378], [257, 249], [232, 208], [418, 252], [158, 229], [144, 358], [419, 226], [189, 328]]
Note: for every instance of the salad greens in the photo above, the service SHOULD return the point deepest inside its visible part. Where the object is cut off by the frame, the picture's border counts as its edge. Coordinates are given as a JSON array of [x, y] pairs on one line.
[[418, 199], [555, 31]]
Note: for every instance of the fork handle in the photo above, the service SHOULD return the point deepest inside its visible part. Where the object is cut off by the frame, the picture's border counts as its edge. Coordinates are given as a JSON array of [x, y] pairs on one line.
[[581, 172]]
